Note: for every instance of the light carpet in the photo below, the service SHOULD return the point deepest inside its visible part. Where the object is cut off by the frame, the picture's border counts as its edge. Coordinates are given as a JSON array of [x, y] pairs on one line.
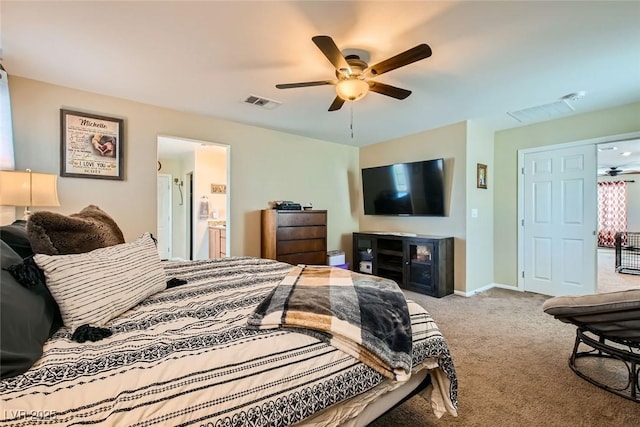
[[511, 360], [608, 279]]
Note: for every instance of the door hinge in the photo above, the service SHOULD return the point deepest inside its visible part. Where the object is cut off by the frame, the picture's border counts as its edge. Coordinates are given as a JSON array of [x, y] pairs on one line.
[[522, 222], [522, 171], [523, 274]]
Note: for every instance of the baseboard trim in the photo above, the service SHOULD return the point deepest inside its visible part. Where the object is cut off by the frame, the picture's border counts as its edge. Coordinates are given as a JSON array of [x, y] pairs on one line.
[[486, 288]]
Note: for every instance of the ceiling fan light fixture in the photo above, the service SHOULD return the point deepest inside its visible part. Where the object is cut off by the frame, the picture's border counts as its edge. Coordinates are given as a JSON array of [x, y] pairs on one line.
[[352, 71], [352, 89]]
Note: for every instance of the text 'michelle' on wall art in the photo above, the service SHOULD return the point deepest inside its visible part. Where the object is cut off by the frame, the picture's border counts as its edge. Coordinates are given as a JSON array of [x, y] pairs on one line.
[[91, 146]]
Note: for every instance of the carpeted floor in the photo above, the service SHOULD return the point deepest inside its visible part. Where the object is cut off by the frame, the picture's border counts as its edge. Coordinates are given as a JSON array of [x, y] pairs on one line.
[[608, 279], [511, 360]]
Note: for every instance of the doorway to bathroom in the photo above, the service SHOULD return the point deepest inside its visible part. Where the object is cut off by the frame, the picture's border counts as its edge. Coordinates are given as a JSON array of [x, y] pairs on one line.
[[199, 192]]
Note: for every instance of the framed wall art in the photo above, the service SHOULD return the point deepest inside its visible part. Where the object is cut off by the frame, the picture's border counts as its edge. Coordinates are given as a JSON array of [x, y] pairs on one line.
[[91, 146], [482, 176], [218, 188]]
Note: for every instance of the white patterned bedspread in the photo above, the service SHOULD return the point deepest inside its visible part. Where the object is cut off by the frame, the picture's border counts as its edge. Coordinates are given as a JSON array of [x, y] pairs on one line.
[[185, 357]]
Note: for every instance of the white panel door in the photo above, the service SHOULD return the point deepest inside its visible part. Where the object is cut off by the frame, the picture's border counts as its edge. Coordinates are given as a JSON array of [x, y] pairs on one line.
[[560, 220], [164, 216]]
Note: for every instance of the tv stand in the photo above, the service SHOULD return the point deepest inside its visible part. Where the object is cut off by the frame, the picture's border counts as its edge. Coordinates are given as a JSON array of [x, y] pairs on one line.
[[415, 262], [394, 233]]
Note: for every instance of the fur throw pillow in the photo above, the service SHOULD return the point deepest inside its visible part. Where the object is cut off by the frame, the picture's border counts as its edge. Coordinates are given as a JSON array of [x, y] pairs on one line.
[[56, 234]]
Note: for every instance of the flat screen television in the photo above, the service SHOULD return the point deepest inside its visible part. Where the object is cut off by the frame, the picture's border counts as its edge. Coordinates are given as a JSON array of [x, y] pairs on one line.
[[415, 188]]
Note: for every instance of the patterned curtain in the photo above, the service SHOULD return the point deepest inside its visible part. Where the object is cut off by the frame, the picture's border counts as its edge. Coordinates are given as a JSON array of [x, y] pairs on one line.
[[612, 211]]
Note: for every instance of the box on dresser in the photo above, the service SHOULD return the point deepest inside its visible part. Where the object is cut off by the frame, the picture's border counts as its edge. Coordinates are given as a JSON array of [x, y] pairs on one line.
[[294, 236], [335, 258]]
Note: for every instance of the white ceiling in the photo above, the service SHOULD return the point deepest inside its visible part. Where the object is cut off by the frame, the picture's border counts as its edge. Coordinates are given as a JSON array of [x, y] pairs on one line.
[[623, 155], [206, 57]]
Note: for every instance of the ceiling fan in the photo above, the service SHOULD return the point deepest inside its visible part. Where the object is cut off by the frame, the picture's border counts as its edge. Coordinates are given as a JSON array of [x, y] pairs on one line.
[[353, 74], [615, 171]]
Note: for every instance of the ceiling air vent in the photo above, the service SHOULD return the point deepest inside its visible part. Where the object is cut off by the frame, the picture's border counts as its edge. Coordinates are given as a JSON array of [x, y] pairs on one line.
[[548, 111], [542, 112], [269, 104]]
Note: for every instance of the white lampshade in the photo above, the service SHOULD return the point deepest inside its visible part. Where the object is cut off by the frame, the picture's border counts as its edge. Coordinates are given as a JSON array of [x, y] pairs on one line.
[[18, 188], [352, 89]]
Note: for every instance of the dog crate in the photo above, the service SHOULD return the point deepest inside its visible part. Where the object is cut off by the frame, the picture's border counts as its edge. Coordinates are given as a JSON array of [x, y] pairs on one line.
[[627, 252]]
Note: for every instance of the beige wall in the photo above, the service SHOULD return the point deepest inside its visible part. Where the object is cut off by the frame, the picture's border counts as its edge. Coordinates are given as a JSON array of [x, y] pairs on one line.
[[614, 121], [213, 164], [479, 232], [448, 142], [265, 165], [463, 146]]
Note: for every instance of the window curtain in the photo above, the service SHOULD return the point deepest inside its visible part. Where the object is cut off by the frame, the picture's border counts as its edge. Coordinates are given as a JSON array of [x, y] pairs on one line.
[[7, 162], [6, 131], [612, 211]]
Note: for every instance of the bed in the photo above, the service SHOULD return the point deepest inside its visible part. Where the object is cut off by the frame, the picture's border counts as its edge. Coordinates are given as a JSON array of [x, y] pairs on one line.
[[185, 355]]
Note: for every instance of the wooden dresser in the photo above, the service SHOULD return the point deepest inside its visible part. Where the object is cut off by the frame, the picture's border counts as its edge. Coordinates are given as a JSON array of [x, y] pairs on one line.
[[295, 237]]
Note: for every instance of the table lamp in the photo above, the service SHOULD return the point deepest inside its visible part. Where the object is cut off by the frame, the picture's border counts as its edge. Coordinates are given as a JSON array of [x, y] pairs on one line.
[[28, 189]]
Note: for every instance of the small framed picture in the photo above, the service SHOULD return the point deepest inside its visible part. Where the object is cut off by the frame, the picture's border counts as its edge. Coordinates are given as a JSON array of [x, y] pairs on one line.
[[218, 188], [91, 146], [482, 176]]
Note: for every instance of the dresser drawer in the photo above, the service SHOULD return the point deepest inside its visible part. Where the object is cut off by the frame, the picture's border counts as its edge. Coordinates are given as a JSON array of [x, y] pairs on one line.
[[313, 258], [296, 246], [300, 219], [297, 233]]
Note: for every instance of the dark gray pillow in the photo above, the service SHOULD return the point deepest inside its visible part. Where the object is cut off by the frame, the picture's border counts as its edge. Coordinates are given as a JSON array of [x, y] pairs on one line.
[[27, 318], [15, 235]]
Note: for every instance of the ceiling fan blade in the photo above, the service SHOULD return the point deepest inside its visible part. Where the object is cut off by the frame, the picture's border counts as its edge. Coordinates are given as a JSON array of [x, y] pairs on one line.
[[333, 54], [336, 104], [305, 84], [392, 91], [414, 54]]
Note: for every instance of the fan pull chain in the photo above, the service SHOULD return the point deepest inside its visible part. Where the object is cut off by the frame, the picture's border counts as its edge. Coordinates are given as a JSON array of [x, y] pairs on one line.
[[351, 124]]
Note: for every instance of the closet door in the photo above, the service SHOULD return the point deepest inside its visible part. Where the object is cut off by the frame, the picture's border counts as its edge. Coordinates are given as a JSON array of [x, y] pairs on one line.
[[560, 221]]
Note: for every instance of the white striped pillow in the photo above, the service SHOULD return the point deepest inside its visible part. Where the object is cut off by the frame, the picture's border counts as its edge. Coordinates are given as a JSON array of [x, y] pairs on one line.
[[94, 287]]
